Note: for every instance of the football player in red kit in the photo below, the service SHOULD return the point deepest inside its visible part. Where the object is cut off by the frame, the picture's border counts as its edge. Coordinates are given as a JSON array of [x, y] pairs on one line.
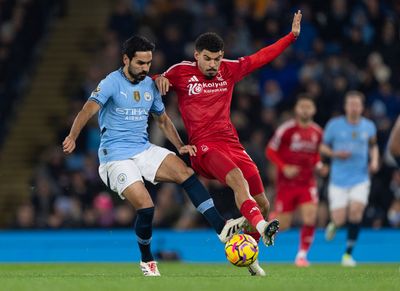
[[204, 88], [294, 149]]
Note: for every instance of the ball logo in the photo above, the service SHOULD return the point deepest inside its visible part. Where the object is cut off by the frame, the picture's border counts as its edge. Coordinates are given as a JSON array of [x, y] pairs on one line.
[[121, 178], [195, 88]]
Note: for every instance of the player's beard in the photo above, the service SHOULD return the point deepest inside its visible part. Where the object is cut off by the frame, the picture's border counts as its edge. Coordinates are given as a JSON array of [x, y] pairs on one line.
[[211, 74], [305, 119], [137, 77]]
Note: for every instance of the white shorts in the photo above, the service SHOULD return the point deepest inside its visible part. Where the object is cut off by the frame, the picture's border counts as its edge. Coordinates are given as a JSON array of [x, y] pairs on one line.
[[118, 175], [340, 197]]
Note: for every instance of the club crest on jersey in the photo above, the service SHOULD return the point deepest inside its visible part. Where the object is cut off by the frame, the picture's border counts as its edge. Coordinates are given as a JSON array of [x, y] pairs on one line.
[[136, 96], [204, 148], [147, 96]]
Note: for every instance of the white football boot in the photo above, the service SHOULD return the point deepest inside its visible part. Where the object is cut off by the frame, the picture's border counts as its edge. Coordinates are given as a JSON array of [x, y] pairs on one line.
[[348, 261], [150, 269], [231, 227], [255, 269], [330, 231]]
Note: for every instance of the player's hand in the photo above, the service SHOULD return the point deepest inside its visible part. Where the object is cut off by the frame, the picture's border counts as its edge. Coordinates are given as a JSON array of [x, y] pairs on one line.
[[188, 149], [68, 145], [290, 171], [322, 169], [162, 84], [373, 167], [296, 23], [342, 155]]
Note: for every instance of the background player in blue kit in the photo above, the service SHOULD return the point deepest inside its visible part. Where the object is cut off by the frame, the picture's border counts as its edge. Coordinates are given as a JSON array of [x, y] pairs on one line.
[[350, 142], [125, 99]]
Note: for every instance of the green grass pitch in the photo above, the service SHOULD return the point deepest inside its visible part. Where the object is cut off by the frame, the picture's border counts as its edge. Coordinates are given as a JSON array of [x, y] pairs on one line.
[[190, 277]]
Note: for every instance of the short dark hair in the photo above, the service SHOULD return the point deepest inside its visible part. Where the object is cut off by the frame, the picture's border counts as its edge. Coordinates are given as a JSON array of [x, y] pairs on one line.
[[209, 41], [355, 93], [135, 44], [304, 96]]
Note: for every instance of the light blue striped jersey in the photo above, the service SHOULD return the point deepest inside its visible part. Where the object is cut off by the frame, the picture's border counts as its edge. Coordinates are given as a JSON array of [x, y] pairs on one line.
[[339, 134], [124, 114]]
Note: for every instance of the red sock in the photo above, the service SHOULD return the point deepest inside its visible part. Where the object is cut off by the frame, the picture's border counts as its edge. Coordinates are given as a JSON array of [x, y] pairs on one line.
[[255, 235], [250, 210], [306, 237]]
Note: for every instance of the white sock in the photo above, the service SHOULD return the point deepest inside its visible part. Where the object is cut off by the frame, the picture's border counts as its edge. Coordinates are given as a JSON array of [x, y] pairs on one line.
[[261, 226], [301, 254]]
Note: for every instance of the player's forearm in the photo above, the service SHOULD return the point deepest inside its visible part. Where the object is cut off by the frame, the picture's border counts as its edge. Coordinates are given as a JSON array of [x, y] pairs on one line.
[[326, 151], [171, 133], [374, 154], [269, 53], [273, 156], [80, 121], [394, 140]]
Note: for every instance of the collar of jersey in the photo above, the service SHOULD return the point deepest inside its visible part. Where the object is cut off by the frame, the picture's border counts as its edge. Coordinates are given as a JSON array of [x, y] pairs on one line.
[[121, 70]]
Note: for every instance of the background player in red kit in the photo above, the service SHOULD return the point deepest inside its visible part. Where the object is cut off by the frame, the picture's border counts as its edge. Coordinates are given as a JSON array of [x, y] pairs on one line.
[[204, 90], [294, 149]]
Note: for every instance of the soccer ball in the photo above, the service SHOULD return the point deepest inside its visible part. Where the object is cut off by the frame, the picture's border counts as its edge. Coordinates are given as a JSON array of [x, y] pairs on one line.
[[241, 250]]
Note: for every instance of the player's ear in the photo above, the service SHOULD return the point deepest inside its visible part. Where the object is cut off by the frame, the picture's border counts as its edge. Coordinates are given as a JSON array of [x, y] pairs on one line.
[[125, 59], [196, 55]]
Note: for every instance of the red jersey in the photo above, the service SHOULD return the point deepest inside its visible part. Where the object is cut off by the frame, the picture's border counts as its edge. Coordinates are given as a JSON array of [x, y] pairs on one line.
[[205, 103], [296, 145]]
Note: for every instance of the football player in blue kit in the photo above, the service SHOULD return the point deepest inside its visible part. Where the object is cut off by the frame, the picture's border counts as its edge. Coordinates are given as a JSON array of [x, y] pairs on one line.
[[125, 99]]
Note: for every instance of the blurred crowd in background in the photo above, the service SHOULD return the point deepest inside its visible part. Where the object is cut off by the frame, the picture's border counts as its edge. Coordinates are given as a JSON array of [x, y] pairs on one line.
[[343, 45]]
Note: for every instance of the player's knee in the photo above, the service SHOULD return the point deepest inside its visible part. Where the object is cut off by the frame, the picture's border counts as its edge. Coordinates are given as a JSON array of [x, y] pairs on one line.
[[184, 174], [235, 178]]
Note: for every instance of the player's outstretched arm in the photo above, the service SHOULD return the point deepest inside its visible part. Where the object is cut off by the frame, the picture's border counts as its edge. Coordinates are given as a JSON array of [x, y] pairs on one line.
[[269, 53], [88, 110], [296, 23], [168, 128], [327, 151]]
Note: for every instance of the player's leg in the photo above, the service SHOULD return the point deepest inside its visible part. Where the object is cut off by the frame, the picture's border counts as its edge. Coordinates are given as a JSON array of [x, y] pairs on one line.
[[251, 174], [307, 200], [139, 197], [167, 167], [308, 213], [220, 166], [358, 201], [338, 201], [124, 177]]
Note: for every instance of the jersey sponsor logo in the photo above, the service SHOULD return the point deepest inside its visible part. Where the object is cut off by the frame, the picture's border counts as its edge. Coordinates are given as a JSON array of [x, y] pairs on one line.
[[147, 96], [197, 88], [136, 96], [135, 114], [299, 145]]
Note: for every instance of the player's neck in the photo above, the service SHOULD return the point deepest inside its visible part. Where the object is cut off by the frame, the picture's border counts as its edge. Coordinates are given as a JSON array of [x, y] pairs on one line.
[[303, 123], [128, 76], [353, 119]]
